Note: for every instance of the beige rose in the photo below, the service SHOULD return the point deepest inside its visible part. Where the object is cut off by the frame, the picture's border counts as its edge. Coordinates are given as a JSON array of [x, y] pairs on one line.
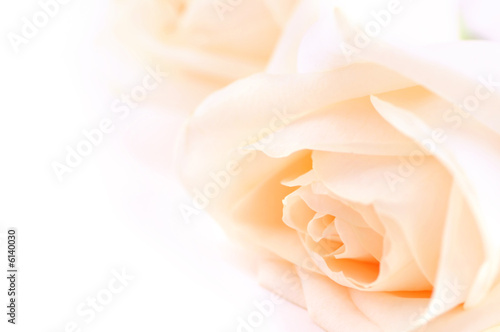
[[203, 44], [372, 186]]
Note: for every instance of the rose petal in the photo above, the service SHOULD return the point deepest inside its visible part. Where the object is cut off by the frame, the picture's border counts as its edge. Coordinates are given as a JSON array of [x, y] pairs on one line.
[[410, 214], [331, 306], [473, 319], [464, 145], [435, 66], [281, 277], [352, 126], [461, 257]]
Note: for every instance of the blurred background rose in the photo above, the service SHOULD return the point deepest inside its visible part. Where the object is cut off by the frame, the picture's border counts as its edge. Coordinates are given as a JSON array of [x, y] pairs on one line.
[[204, 44]]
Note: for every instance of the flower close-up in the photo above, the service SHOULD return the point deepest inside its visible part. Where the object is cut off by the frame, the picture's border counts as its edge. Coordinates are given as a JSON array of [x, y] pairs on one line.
[[371, 181], [250, 166], [204, 45]]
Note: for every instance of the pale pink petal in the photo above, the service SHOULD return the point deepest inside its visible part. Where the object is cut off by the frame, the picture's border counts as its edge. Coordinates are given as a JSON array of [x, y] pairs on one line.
[[461, 257], [284, 58], [479, 181], [281, 277], [474, 319], [353, 126], [256, 104], [393, 312], [321, 47], [331, 306], [435, 66]]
